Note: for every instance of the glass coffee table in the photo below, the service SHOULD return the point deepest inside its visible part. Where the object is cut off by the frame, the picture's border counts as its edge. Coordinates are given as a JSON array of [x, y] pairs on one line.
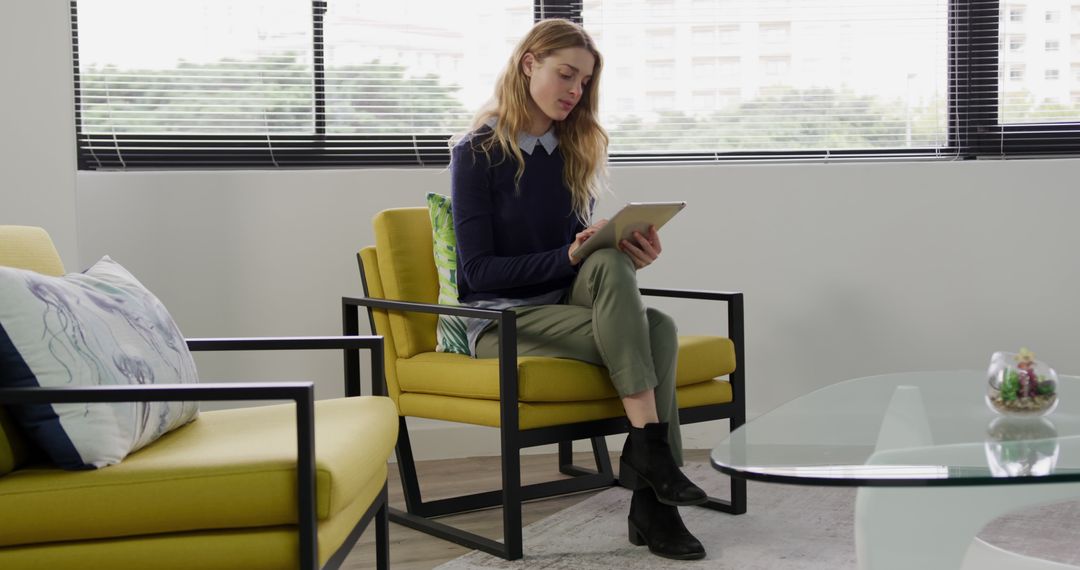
[[932, 462]]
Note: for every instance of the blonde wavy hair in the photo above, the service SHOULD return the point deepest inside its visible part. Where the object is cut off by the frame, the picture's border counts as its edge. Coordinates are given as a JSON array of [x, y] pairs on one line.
[[582, 140]]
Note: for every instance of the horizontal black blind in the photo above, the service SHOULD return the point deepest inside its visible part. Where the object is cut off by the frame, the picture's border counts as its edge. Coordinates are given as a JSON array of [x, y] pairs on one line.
[[247, 83], [703, 80], [1024, 61], [286, 84]]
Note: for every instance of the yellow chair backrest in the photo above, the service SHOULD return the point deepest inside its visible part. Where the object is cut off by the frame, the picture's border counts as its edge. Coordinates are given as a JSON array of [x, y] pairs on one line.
[[28, 247], [401, 267], [24, 247], [407, 272]]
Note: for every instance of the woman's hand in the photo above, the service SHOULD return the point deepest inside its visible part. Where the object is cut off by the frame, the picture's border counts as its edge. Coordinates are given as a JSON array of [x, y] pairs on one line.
[[643, 250], [581, 237]]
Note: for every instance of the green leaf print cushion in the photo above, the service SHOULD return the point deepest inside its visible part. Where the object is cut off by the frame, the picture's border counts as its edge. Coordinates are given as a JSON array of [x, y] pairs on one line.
[[450, 334]]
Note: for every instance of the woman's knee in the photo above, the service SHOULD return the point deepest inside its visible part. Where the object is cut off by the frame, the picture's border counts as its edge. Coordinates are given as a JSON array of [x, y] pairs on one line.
[[608, 258], [660, 323]]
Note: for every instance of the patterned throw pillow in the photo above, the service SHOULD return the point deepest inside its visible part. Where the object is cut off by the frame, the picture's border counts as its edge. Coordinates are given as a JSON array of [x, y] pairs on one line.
[[450, 333], [100, 327]]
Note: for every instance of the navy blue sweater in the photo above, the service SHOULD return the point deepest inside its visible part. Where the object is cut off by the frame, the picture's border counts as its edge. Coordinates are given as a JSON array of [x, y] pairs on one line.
[[510, 244]]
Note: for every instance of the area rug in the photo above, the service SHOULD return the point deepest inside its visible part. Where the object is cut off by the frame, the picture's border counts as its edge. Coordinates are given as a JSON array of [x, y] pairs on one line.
[[786, 527]]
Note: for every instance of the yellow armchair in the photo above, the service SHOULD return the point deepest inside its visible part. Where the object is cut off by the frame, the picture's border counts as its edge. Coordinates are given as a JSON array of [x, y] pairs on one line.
[[239, 488], [531, 400]]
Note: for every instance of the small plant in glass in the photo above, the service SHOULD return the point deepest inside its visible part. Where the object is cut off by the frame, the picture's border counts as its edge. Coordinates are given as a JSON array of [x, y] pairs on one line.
[[1018, 447], [1019, 385]]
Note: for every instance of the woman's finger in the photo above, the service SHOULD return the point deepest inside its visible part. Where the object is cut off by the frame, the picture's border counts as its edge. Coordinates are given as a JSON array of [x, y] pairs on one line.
[[640, 258], [646, 246]]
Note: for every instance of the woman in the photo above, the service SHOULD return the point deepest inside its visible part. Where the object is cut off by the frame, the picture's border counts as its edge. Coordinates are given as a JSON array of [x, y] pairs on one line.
[[524, 180]]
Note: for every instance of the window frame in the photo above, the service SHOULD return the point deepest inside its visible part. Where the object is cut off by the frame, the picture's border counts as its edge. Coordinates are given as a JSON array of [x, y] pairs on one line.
[[973, 128]]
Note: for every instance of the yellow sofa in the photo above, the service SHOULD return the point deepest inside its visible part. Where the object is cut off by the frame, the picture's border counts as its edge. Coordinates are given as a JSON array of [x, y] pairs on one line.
[[234, 489]]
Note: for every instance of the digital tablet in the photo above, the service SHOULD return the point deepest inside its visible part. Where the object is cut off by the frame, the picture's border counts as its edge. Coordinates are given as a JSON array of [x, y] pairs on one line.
[[633, 217]]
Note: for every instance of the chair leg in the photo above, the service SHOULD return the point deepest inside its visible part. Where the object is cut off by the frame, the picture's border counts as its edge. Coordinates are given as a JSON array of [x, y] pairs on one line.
[[600, 456], [566, 456], [420, 515], [407, 468], [511, 478], [382, 533]]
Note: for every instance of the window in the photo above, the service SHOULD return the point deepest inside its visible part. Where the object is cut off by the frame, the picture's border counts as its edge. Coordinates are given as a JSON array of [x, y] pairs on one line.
[[1035, 112], [705, 69], [662, 39], [254, 83], [660, 100], [776, 69], [249, 83], [704, 36], [661, 70], [775, 34], [864, 94], [704, 101]]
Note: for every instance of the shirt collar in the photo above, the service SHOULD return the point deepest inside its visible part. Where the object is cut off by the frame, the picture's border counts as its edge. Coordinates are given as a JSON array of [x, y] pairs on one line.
[[527, 142]]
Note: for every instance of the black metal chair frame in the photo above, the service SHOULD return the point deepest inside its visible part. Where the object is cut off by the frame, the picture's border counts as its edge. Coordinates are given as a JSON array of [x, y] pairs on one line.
[[302, 393], [419, 514]]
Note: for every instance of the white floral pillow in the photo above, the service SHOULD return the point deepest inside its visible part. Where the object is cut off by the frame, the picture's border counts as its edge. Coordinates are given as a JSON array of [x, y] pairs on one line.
[[450, 334], [100, 327]]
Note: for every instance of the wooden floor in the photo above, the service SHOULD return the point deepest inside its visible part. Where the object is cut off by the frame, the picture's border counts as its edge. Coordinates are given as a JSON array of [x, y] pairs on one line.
[[413, 550]]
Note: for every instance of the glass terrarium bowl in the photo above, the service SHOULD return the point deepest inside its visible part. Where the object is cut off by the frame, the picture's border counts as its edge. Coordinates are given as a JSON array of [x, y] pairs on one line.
[[1020, 386], [1018, 447]]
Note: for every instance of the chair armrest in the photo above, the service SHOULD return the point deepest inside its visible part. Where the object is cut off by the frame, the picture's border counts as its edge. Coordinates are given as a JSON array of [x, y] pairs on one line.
[[286, 343], [409, 306], [222, 391], [303, 393], [693, 294], [351, 344], [736, 333], [507, 321]]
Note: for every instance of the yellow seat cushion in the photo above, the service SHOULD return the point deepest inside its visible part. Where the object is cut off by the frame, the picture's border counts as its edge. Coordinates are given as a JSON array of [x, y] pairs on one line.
[[543, 414], [228, 469], [265, 548], [545, 379]]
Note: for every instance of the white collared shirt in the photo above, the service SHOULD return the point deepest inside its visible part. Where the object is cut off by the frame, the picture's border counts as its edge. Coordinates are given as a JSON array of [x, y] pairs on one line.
[[527, 142]]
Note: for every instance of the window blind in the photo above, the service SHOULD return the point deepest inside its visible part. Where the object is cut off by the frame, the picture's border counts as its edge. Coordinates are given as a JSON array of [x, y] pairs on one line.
[[297, 83], [246, 83], [1025, 58], [786, 79]]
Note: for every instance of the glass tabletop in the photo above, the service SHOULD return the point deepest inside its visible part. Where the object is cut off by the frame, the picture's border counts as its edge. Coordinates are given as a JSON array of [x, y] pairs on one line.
[[909, 429]]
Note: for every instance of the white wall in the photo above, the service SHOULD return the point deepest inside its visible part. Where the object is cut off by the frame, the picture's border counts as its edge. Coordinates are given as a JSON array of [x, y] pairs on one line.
[[37, 116], [848, 269]]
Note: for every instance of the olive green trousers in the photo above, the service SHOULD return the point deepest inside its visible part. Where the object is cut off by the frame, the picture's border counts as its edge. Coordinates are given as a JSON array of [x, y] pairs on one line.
[[605, 322]]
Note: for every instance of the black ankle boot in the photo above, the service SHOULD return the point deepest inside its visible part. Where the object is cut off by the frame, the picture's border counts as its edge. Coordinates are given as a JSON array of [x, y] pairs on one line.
[[660, 526], [647, 462]]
